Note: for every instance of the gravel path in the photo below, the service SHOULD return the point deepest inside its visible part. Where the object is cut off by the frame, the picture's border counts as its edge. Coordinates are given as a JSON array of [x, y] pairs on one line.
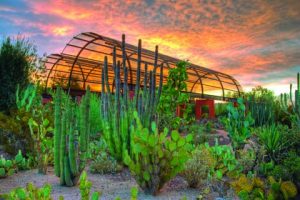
[[111, 186]]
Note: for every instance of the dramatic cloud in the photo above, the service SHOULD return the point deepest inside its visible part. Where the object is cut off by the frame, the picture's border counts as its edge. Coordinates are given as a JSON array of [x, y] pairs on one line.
[[258, 42]]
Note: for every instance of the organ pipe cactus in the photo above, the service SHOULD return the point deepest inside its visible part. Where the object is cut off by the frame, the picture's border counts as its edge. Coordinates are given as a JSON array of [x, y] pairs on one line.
[[71, 136], [288, 103], [115, 104]]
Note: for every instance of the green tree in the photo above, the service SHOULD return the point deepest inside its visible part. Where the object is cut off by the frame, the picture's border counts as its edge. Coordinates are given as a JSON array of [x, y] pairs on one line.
[[18, 58]]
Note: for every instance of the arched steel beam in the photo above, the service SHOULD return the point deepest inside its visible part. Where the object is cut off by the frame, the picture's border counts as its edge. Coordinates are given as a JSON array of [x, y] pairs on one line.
[[60, 57], [223, 92], [75, 60]]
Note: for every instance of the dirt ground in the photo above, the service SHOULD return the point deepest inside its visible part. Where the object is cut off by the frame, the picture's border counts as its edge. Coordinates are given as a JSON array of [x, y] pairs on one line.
[[110, 186]]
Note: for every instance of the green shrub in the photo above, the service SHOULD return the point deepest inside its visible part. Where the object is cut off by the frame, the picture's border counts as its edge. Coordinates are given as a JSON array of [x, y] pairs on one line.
[[199, 134], [198, 167], [247, 159], [155, 158], [96, 147], [104, 164]]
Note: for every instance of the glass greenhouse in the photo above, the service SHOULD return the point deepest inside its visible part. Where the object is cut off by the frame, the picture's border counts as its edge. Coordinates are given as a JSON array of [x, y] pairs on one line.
[[81, 61]]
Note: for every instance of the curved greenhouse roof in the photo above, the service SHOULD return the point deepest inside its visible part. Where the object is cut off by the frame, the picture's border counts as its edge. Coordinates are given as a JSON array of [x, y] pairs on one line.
[[80, 65]]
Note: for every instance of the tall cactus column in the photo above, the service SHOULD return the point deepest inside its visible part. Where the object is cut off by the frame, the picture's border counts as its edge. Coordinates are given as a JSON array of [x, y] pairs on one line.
[[297, 96], [72, 123]]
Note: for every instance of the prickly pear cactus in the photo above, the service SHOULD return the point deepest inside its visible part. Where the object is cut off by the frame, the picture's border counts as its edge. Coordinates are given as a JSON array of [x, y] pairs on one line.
[[155, 157], [7, 167], [71, 136]]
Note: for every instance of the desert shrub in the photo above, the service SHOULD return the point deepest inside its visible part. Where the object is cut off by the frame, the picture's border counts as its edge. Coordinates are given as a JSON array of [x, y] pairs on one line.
[[198, 167], [247, 159], [247, 187], [155, 158], [198, 132], [288, 169], [18, 59], [104, 164], [238, 123], [96, 147]]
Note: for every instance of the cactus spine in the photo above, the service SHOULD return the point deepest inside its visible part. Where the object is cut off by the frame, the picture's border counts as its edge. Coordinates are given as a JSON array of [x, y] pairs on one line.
[[71, 124]]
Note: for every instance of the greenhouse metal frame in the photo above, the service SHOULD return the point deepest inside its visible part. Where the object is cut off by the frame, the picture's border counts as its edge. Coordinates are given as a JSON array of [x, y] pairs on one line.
[[81, 62]]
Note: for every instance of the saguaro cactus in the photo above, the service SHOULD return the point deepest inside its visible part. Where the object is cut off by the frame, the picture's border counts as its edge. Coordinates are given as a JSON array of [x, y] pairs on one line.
[[71, 136]]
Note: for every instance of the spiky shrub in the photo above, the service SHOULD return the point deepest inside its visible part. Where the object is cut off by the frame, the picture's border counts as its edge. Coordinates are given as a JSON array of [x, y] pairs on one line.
[[155, 158], [104, 164], [71, 137], [198, 167], [238, 123]]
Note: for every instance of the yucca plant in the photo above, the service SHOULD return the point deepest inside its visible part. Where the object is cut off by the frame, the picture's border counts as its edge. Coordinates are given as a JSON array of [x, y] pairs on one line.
[[271, 138]]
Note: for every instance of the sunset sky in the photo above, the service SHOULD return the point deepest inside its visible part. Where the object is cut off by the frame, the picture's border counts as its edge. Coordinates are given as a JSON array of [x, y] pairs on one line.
[[255, 41]]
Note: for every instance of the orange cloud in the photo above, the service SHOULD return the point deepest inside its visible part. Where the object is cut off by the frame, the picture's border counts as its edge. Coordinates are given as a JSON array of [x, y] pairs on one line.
[[247, 39]]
